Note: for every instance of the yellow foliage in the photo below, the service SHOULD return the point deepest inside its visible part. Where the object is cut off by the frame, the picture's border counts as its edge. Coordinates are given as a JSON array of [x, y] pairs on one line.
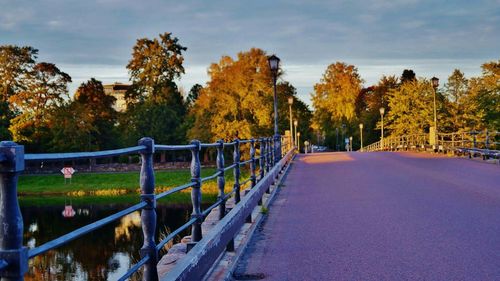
[[237, 101], [335, 95]]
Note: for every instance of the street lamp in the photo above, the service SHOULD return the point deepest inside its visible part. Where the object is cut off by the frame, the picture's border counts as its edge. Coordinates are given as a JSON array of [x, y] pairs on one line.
[[274, 62], [361, 134], [435, 84], [350, 143], [343, 131], [298, 142], [382, 111], [290, 102], [295, 123], [337, 132]]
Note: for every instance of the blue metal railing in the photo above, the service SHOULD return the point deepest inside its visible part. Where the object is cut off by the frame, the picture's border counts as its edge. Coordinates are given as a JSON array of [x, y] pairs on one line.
[[14, 256]]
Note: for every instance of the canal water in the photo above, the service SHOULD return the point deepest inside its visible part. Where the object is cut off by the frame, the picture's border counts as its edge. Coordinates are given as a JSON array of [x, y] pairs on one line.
[[105, 254]]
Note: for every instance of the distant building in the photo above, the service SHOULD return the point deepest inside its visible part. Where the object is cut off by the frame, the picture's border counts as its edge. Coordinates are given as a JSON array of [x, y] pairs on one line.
[[118, 91]]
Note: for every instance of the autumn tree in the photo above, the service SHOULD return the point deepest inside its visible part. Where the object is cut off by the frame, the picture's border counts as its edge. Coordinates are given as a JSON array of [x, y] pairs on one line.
[[45, 88], [486, 92], [334, 99], [237, 99], [69, 130], [411, 108], [97, 110], [154, 65], [15, 63]]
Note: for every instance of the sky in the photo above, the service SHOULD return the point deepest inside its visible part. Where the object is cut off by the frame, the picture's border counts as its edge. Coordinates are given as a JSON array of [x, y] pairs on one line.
[[94, 38]]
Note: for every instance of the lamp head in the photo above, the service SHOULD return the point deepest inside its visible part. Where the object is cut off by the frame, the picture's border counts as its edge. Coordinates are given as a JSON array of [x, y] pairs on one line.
[[361, 125], [382, 111], [290, 100], [274, 62], [295, 122], [435, 82]]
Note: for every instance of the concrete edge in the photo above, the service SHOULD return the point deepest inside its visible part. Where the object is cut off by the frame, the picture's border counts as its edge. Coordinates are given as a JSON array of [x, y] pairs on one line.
[[229, 270], [197, 262]]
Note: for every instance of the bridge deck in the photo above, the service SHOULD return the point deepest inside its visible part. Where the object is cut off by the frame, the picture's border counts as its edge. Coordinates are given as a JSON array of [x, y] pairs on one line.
[[381, 216]]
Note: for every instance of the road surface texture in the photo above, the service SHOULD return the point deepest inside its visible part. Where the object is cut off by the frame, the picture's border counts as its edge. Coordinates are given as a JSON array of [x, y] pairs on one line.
[[380, 216]]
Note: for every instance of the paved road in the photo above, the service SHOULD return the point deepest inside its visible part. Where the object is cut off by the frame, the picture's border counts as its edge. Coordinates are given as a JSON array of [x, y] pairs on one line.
[[381, 216]]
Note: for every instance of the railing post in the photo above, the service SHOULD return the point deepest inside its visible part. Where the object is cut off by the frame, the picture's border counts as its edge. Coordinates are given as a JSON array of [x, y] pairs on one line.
[[277, 149], [269, 159], [196, 234], [253, 165], [236, 171], [252, 174], [11, 233], [148, 214], [269, 155], [474, 139], [262, 159], [221, 181], [487, 141], [453, 142]]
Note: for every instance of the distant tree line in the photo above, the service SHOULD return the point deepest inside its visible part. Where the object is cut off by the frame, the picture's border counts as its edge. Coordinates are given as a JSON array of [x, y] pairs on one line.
[[37, 111], [341, 103]]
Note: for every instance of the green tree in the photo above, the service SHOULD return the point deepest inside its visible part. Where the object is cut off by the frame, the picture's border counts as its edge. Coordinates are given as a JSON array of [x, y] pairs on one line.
[[368, 105], [153, 119], [45, 89], [193, 95], [408, 76], [300, 112], [456, 90]]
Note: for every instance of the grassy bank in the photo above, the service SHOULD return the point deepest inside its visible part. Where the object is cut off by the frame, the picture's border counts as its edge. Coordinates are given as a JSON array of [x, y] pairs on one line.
[[112, 187]]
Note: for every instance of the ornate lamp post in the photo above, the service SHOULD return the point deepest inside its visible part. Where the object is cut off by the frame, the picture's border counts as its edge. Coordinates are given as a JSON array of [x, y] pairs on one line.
[[290, 102], [295, 123], [435, 84], [343, 139], [361, 134], [274, 62], [298, 142], [382, 111], [337, 132]]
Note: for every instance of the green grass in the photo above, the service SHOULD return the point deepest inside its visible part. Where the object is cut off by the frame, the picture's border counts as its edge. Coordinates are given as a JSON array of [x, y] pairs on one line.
[[103, 188], [54, 184]]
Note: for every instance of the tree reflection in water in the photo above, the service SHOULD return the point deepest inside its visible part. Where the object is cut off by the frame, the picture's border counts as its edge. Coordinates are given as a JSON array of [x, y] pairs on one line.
[[104, 254]]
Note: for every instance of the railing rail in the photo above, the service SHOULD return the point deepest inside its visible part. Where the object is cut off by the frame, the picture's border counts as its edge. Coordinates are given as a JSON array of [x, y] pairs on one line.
[[14, 255], [473, 143]]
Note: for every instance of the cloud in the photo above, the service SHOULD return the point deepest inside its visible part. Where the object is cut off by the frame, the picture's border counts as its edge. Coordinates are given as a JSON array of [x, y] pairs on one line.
[[95, 38], [13, 19]]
